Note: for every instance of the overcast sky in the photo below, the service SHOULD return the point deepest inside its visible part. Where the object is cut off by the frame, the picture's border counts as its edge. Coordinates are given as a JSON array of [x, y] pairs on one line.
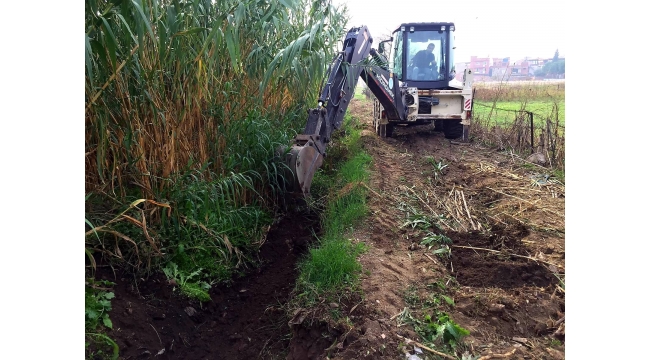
[[500, 28]]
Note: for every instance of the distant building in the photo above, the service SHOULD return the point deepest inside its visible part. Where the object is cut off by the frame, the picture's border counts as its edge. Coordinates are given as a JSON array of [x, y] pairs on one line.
[[535, 64], [480, 67], [502, 69]]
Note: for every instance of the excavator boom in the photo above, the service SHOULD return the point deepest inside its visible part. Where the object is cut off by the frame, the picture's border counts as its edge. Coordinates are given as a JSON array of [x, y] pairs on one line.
[[309, 148]]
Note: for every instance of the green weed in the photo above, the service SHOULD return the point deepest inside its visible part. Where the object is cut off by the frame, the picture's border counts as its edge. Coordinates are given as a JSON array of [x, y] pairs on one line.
[[418, 221], [438, 329], [555, 343], [444, 251], [98, 305], [411, 296], [196, 289], [434, 300], [451, 332], [440, 284], [448, 300], [211, 228], [438, 166], [431, 239], [415, 219]]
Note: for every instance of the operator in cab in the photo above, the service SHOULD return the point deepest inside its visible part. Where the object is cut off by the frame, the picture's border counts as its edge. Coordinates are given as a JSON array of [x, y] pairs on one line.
[[424, 63]]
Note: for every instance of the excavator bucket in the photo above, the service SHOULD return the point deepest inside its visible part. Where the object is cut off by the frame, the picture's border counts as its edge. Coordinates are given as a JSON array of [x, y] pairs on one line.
[[302, 160]]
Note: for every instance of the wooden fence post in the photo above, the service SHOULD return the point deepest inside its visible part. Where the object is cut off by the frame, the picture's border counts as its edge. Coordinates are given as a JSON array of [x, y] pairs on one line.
[[532, 133]]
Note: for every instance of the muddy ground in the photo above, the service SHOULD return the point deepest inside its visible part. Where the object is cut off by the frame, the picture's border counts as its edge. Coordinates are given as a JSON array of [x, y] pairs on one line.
[[506, 222], [245, 320]]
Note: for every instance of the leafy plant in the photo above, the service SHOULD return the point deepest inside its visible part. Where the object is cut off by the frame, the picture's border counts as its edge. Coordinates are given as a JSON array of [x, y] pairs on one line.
[[417, 220], [438, 284], [438, 166], [98, 304], [435, 300], [196, 290], [441, 327], [443, 251], [448, 300], [432, 239]]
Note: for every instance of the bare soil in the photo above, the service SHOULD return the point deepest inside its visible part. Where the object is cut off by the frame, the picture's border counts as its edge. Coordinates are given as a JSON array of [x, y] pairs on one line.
[[245, 320], [507, 254]]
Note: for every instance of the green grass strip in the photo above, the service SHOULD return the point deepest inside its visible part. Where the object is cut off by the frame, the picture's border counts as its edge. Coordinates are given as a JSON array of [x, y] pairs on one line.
[[331, 264]]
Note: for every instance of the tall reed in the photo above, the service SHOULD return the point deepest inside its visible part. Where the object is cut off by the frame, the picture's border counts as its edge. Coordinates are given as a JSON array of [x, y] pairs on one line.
[[186, 102]]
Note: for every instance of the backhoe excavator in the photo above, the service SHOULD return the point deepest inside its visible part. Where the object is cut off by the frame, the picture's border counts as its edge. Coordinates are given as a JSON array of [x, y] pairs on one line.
[[413, 83]]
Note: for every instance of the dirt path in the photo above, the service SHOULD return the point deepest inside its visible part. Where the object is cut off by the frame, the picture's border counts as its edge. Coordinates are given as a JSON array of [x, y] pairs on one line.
[[510, 303]]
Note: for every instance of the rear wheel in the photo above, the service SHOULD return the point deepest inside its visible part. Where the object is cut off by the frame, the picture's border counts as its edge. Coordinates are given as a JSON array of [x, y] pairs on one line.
[[437, 125], [386, 130], [453, 129], [381, 130], [376, 113]]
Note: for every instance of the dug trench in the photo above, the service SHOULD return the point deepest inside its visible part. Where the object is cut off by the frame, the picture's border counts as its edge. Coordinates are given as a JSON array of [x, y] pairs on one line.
[[245, 320]]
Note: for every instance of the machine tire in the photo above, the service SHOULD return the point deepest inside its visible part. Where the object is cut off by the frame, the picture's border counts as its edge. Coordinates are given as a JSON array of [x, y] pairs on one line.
[[437, 125], [376, 113], [453, 129], [383, 131], [387, 130]]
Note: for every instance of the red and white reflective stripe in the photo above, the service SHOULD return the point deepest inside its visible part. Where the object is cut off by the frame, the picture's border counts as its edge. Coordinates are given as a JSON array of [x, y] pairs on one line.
[[468, 104]]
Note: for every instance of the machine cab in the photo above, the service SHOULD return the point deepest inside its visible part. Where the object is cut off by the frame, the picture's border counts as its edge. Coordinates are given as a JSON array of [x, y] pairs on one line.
[[423, 54]]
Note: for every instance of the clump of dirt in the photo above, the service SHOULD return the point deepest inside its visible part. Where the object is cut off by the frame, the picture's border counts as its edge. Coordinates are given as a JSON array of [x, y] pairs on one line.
[[311, 341], [497, 260], [246, 320]]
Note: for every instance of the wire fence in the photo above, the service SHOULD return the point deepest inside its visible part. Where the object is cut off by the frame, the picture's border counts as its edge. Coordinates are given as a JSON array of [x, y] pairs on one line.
[[523, 131]]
